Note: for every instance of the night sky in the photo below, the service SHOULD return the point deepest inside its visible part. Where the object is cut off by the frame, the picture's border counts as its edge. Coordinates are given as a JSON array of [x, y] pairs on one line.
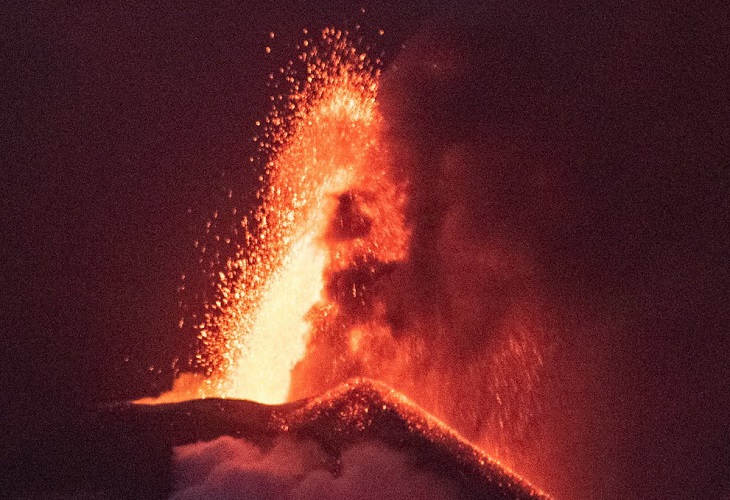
[[126, 127]]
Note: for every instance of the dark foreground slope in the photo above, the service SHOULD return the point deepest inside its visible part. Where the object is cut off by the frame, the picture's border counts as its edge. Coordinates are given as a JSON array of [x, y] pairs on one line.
[[126, 449]]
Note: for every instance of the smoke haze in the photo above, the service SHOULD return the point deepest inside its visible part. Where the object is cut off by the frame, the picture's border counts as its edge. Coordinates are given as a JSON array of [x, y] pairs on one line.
[[290, 469], [572, 186], [563, 208]]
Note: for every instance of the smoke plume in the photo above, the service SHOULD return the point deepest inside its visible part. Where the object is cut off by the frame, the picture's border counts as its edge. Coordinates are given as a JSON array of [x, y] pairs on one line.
[[290, 469], [460, 324], [561, 204]]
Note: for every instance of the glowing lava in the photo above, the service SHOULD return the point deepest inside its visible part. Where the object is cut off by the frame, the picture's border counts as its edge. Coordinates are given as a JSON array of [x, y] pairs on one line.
[[321, 290], [325, 287], [324, 142]]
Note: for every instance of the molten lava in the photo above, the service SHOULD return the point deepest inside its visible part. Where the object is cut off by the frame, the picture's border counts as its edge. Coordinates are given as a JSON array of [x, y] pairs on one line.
[[329, 282], [325, 151]]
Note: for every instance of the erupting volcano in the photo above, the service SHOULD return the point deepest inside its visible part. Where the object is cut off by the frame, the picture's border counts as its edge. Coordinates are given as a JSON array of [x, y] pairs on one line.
[[459, 240], [357, 277], [325, 286]]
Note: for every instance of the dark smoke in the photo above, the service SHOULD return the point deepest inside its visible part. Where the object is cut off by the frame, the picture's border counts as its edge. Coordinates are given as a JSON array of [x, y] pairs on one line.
[[568, 201], [461, 324]]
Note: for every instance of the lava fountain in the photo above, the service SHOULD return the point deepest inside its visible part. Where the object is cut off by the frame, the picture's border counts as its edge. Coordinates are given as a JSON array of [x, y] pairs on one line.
[[324, 146], [329, 282]]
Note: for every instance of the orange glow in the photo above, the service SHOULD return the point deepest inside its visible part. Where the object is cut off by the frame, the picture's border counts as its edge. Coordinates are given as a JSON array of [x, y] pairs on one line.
[[299, 310], [323, 142], [187, 386]]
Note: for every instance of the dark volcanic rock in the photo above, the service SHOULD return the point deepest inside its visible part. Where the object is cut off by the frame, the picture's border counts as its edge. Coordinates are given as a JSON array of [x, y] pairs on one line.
[[125, 449]]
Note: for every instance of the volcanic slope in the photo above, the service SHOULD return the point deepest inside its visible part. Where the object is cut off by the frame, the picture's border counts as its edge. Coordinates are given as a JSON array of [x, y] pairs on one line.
[[127, 449]]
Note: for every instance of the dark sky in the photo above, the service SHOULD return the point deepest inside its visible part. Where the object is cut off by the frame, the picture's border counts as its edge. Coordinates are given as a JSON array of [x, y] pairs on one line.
[[125, 126]]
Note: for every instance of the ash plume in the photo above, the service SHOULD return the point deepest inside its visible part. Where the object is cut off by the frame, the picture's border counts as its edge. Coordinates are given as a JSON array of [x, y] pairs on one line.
[[563, 177], [466, 308]]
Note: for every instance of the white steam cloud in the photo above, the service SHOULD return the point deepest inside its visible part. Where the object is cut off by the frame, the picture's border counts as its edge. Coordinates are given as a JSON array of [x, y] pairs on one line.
[[229, 468]]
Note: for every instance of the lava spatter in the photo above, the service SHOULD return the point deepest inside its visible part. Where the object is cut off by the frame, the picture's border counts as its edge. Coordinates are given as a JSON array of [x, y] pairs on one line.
[[328, 200]]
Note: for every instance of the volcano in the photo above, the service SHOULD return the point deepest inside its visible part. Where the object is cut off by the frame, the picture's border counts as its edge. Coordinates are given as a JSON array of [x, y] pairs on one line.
[[129, 450]]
